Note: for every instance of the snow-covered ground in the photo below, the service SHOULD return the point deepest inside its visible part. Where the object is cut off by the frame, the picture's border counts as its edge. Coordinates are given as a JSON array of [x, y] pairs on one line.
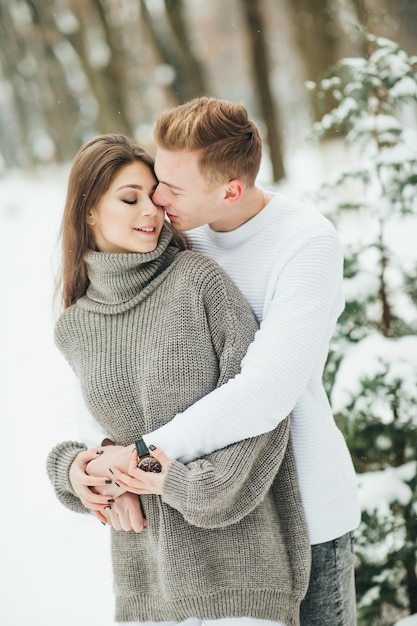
[[55, 565]]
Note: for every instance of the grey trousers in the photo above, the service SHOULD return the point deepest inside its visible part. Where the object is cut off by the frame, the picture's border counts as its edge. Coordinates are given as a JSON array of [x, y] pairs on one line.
[[331, 596]]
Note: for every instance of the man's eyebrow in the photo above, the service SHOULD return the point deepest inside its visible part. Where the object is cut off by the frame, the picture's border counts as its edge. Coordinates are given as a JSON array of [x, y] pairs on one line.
[[171, 186], [130, 186]]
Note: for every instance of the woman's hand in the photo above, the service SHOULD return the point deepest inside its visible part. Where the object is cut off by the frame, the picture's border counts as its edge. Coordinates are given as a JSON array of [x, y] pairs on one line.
[[84, 486], [125, 513], [140, 482]]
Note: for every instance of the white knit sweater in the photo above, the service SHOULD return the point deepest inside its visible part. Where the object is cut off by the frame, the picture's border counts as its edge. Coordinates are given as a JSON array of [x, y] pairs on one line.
[[288, 262]]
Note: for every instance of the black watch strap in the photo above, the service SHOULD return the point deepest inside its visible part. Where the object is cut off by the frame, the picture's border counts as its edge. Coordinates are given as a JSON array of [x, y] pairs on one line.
[[141, 448]]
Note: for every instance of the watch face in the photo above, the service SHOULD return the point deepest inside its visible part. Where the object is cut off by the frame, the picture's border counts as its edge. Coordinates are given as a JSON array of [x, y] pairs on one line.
[[149, 464]]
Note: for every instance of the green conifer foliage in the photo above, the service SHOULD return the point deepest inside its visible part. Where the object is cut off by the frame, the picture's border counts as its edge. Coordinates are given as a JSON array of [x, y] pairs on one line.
[[371, 375]]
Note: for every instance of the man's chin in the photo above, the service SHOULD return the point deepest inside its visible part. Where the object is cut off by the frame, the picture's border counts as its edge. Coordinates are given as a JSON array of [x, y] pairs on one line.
[[176, 222]]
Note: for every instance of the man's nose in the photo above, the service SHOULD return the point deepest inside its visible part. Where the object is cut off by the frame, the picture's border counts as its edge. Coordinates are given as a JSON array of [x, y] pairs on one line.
[[159, 197]]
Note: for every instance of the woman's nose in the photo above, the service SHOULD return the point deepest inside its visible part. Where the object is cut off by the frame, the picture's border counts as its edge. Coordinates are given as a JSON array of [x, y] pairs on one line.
[[149, 208]]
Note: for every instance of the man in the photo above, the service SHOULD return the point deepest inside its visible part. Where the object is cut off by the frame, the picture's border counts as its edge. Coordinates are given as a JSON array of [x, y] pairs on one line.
[[287, 261]]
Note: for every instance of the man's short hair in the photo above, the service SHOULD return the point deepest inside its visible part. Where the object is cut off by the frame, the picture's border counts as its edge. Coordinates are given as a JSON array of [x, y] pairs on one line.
[[229, 142]]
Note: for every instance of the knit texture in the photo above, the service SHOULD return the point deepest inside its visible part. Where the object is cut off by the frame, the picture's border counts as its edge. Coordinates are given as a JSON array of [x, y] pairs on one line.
[[154, 333], [288, 263]]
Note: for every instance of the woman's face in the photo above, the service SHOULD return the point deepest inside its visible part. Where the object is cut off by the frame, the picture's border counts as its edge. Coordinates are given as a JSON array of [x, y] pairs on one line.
[[126, 219]]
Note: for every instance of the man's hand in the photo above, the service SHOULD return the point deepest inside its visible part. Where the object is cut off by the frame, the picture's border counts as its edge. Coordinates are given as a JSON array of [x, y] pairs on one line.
[[125, 513], [100, 465]]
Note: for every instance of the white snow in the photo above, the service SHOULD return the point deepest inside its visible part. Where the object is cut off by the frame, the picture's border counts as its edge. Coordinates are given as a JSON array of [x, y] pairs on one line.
[[56, 564], [377, 490], [411, 620]]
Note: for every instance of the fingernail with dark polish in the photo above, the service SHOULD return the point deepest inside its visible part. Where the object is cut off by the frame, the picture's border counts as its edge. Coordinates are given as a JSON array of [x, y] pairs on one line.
[[116, 483], [110, 470], [151, 447], [109, 481], [99, 451], [103, 522], [111, 500], [107, 507]]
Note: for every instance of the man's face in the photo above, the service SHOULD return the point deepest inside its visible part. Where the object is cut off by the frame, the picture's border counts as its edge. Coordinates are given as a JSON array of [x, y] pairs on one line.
[[189, 199]]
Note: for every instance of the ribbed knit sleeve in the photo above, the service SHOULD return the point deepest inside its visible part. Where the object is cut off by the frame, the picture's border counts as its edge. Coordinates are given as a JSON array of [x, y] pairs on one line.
[[226, 486], [229, 484], [58, 463]]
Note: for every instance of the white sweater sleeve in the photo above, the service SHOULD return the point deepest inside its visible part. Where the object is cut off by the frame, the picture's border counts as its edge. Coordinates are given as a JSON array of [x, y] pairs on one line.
[[90, 431], [292, 341]]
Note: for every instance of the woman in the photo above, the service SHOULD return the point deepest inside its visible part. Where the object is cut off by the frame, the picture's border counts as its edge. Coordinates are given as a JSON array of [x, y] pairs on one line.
[[149, 327]]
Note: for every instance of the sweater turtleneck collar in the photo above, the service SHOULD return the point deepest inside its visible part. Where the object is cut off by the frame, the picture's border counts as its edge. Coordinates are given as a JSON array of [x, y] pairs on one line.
[[120, 281]]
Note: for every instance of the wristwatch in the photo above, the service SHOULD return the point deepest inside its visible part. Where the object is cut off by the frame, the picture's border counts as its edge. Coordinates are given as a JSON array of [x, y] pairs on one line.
[[146, 462]]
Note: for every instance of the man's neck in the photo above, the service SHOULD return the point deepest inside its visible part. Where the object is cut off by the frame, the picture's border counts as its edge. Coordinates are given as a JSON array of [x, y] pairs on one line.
[[252, 202]]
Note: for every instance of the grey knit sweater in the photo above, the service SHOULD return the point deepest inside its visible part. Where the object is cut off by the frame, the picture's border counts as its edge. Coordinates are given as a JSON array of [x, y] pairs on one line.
[[153, 334]]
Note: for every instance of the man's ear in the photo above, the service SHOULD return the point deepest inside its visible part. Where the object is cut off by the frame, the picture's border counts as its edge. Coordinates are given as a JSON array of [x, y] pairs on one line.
[[233, 191]]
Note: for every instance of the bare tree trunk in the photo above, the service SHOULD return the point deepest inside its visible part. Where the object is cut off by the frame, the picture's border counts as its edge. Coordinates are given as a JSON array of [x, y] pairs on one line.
[[386, 314], [178, 87], [377, 16], [410, 561], [192, 67], [407, 15], [317, 36], [411, 568], [171, 42], [61, 108], [14, 126], [106, 82], [260, 65], [115, 74]]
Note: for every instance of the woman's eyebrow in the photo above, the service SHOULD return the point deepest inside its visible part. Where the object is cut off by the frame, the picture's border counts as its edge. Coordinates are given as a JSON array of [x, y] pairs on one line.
[[130, 186]]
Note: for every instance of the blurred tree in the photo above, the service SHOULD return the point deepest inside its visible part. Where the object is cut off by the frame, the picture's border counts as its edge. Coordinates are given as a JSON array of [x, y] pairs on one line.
[[57, 100], [407, 13], [261, 77], [172, 43], [389, 19], [317, 33], [106, 75], [14, 122], [92, 66], [193, 69], [37, 87]]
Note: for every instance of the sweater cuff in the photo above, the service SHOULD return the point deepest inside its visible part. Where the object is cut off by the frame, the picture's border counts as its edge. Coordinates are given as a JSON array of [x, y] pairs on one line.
[[58, 464], [174, 491]]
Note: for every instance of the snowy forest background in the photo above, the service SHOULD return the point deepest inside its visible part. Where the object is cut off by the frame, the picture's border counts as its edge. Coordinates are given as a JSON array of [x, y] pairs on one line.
[[333, 87]]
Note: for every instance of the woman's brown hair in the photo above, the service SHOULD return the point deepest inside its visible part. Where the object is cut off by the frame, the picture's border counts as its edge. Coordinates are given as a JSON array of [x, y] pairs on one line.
[[94, 167]]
